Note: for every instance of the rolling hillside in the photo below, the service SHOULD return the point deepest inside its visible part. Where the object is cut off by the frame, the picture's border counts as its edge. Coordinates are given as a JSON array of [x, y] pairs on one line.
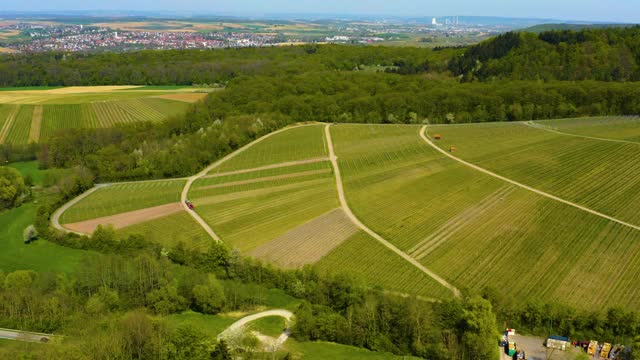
[[536, 210], [34, 115]]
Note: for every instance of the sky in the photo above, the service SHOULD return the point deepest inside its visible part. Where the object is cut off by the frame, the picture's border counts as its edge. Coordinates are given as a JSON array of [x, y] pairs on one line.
[[588, 10]]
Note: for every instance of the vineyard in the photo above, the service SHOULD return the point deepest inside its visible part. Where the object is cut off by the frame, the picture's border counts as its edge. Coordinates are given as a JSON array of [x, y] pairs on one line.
[[601, 175], [95, 107], [121, 198], [277, 201], [623, 128], [299, 143]]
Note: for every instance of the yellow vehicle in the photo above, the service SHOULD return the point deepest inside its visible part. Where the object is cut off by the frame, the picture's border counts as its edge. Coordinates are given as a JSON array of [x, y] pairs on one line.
[[606, 348], [593, 348]]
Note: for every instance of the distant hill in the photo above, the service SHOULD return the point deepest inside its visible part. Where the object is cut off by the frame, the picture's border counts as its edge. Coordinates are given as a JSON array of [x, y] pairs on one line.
[[575, 27], [604, 54]]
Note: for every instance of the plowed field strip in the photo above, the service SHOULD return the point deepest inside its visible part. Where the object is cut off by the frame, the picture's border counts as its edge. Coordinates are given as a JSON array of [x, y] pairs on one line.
[[36, 124], [7, 125], [123, 220]]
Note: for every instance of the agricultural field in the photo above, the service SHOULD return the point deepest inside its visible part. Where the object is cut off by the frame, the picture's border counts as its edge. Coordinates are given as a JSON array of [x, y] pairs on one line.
[[471, 228], [295, 144], [599, 174], [34, 115], [625, 128], [251, 212], [121, 198]]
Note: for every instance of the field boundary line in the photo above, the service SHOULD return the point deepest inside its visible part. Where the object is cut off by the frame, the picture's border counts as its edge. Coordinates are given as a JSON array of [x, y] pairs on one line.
[[263, 179], [544, 128], [423, 134], [4, 132], [358, 223], [206, 170], [55, 217], [268, 167]]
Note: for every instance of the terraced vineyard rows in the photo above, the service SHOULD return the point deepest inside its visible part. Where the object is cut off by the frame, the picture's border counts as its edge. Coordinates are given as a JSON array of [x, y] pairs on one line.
[[57, 117], [120, 198], [601, 175], [21, 126], [170, 230], [625, 128], [248, 215], [475, 230], [366, 257], [305, 142], [6, 116]]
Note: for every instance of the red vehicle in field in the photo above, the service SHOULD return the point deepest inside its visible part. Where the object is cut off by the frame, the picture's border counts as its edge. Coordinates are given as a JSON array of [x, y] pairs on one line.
[[189, 204]]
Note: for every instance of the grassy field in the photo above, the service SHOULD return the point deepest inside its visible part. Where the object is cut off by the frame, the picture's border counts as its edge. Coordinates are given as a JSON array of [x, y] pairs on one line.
[[301, 143], [271, 325], [601, 175], [120, 198], [43, 111], [326, 350]]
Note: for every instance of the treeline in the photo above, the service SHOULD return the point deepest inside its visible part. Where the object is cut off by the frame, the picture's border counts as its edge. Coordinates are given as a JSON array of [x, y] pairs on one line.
[[615, 324], [611, 54], [113, 291], [187, 67]]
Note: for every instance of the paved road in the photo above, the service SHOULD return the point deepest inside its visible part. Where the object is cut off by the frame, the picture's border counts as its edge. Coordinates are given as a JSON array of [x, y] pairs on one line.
[[358, 223], [25, 336], [270, 344], [205, 171], [423, 134], [541, 127]]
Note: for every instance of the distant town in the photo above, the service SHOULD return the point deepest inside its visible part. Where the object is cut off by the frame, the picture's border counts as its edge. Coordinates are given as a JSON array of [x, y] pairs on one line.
[[41, 35]]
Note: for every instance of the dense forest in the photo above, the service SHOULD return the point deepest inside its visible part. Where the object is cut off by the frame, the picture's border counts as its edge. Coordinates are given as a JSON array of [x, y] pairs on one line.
[[590, 54]]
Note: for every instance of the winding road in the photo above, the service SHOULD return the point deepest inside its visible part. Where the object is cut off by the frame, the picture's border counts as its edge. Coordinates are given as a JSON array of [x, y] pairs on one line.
[[358, 223], [423, 134], [271, 346], [26, 336], [205, 171]]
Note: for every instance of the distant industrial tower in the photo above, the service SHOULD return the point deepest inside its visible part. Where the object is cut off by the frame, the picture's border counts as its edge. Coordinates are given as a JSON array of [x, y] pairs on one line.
[[434, 21]]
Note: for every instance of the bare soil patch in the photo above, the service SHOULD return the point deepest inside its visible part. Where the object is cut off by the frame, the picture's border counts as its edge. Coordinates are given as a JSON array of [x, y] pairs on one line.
[[123, 220], [309, 242]]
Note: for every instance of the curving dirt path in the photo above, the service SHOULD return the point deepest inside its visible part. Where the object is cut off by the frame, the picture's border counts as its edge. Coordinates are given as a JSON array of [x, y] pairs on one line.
[[423, 134], [266, 340], [205, 171], [358, 223], [26, 336], [540, 127], [55, 217]]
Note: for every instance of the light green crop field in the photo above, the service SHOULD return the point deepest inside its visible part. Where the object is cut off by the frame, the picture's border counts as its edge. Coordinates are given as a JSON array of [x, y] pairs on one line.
[[325, 350], [475, 230], [87, 107], [249, 215], [378, 266], [625, 128], [19, 130], [170, 230], [120, 198], [301, 143], [601, 175]]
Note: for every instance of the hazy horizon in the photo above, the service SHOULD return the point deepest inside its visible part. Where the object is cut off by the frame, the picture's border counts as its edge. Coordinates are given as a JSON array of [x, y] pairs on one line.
[[627, 11]]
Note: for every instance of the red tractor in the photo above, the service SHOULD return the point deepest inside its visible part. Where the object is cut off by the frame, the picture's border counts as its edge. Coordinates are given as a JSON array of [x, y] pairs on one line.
[[189, 204]]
